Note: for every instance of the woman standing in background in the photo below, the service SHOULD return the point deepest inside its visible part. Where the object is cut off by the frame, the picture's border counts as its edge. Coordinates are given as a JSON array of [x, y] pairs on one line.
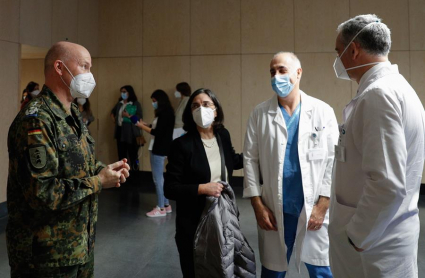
[[84, 108], [125, 132], [32, 90], [183, 92], [159, 146]]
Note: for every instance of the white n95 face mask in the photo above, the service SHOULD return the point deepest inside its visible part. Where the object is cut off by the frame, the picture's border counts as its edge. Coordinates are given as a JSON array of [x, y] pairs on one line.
[[81, 101], [203, 116], [340, 70], [81, 85], [35, 93]]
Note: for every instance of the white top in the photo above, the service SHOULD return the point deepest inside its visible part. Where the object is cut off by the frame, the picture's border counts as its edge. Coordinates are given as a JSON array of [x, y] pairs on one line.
[[179, 112], [121, 110], [155, 121], [214, 159]]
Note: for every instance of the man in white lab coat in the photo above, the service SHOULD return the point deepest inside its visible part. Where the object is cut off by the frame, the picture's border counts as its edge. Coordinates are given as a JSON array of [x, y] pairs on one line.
[[374, 223], [288, 159]]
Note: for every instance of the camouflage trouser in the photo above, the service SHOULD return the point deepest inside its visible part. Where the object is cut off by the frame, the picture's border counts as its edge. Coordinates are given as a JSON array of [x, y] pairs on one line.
[[75, 271]]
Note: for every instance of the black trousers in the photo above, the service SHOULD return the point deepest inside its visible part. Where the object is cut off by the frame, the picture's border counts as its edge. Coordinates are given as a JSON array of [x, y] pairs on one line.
[[185, 248], [129, 151]]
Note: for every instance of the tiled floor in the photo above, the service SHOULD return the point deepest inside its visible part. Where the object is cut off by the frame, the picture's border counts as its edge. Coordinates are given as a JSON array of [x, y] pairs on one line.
[[128, 244]]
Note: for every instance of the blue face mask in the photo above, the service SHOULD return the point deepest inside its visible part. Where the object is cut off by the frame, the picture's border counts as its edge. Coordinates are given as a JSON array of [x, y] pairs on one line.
[[155, 105], [124, 96], [282, 85]]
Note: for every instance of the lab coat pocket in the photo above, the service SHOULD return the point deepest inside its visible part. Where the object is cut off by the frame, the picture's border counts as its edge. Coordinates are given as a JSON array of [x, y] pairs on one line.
[[345, 260], [340, 217]]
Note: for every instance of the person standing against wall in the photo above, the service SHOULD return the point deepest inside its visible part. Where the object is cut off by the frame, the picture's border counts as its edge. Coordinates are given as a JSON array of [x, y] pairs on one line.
[[54, 178], [26, 97], [32, 90], [374, 222], [161, 132], [125, 132], [182, 92], [85, 110]]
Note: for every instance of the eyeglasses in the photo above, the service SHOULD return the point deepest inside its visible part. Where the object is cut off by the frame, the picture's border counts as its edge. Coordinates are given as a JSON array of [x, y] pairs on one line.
[[204, 104]]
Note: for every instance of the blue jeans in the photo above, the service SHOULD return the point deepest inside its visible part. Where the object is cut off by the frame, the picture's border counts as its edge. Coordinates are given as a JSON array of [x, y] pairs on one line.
[[290, 223], [157, 165]]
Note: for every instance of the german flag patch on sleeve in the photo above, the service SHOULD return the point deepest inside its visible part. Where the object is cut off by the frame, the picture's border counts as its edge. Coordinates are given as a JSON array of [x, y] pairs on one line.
[[34, 131]]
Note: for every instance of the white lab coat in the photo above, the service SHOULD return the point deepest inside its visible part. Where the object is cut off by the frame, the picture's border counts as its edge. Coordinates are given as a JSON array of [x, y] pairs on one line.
[[264, 151], [376, 188]]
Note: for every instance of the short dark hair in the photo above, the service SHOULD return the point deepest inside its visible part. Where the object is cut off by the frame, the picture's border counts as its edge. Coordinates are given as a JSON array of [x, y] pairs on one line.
[[31, 86], [163, 101], [184, 89], [131, 94], [189, 124]]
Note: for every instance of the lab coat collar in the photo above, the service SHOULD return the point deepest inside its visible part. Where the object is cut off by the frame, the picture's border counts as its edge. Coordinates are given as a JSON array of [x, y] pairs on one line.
[[274, 108], [375, 73], [367, 79]]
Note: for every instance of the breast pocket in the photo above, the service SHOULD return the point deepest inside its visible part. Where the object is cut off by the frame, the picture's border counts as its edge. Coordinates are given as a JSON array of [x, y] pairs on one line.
[[71, 157]]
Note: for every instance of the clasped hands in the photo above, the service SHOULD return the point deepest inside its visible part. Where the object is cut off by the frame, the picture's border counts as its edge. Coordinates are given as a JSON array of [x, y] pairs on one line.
[[114, 174]]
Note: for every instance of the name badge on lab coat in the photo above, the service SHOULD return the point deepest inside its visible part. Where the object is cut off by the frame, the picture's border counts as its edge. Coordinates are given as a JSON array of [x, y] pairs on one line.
[[340, 153], [316, 154]]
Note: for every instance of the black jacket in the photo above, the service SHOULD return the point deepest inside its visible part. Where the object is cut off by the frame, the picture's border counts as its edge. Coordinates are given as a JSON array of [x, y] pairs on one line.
[[163, 132], [187, 168]]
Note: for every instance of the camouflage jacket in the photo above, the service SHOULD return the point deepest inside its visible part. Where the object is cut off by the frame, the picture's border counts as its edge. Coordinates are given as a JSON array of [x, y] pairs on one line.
[[53, 186]]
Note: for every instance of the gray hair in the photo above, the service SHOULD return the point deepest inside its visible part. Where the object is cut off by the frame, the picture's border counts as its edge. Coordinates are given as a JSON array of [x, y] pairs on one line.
[[375, 38], [294, 58]]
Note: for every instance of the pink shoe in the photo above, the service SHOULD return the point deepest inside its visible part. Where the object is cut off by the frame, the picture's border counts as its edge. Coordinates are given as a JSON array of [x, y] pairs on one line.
[[156, 212], [168, 209]]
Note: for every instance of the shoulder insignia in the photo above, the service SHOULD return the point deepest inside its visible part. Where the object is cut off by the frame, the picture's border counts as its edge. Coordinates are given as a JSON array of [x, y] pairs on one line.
[[38, 156], [31, 111]]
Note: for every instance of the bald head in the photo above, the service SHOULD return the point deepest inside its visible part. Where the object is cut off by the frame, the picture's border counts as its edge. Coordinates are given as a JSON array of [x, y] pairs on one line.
[[289, 58], [64, 51]]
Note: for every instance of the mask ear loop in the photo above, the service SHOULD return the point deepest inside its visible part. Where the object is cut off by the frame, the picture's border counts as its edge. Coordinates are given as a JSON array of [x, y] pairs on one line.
[[355, 36], [64, 80]]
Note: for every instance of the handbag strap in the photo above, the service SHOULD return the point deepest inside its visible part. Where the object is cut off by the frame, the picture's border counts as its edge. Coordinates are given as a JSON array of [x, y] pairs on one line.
[[223, 164]]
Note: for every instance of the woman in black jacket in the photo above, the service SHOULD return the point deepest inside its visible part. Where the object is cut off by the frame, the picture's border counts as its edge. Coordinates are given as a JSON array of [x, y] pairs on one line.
[[194, 168], [159, 146]]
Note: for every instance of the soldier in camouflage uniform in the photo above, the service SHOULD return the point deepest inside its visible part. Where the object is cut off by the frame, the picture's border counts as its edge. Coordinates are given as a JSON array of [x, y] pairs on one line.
[[54, 178]]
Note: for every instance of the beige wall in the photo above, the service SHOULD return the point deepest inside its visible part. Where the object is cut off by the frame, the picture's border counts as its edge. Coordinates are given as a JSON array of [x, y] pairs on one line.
[[37, 23], [224, 45]]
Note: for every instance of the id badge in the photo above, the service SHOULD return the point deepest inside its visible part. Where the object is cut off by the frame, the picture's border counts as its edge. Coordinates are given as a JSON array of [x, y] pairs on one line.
[[316, 154], [340, 153]]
